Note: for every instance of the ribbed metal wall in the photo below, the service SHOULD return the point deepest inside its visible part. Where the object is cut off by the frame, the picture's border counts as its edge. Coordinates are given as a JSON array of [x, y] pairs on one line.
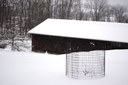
[[85, 65]]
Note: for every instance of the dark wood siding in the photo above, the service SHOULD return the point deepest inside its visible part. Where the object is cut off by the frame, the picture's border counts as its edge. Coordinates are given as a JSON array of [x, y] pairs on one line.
[[62, 45]]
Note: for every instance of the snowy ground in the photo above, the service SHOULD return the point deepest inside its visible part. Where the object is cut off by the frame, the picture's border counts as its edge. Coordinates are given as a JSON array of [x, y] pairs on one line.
[[29, 68], [20, 45]]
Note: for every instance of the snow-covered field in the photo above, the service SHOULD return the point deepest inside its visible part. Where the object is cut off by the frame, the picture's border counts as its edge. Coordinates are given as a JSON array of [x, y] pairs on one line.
[[29, 68]]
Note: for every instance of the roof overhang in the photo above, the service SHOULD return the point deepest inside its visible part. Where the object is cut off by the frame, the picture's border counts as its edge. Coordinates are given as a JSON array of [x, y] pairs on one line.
[[106, 31]]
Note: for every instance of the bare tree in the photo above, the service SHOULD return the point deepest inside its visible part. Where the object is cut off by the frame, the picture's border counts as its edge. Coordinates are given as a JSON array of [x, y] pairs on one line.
[[126, 18], [77, 11], [4, 15], [96, 8], [62, 9], [119, 12]]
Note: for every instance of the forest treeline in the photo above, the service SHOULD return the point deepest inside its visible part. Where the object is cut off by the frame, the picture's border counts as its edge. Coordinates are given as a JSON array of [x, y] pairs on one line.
[[17, 17]]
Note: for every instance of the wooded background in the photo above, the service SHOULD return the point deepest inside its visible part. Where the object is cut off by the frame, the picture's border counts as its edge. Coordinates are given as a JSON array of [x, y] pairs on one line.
[[17, 17]]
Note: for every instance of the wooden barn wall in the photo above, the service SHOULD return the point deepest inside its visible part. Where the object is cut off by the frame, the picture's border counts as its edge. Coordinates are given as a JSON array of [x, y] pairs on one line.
[[62, 45]]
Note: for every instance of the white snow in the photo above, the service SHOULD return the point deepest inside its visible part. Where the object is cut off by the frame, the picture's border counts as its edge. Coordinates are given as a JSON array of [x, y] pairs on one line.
[[83, 29], [20, 68], [24, 45]]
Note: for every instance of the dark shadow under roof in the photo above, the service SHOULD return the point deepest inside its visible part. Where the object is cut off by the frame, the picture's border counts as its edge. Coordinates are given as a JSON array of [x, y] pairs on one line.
[[64, 45]]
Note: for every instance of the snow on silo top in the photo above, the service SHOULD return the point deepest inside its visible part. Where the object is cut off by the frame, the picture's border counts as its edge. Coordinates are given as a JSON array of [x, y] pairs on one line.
[[106, 31]]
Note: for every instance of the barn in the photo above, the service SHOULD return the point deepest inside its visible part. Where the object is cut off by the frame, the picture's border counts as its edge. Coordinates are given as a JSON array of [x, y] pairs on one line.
[[58, 36], [81, 41]]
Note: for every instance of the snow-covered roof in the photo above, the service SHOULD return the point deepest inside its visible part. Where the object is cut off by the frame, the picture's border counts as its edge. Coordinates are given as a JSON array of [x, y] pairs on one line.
[[106, 31]]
